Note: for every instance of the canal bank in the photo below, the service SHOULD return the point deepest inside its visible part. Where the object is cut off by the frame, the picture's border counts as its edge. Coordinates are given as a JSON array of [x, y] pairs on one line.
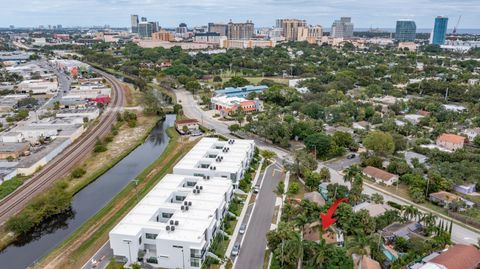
[[87, 202]]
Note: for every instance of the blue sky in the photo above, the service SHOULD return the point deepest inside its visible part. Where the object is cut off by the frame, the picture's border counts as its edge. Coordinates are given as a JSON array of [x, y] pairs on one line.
[[364, 13]]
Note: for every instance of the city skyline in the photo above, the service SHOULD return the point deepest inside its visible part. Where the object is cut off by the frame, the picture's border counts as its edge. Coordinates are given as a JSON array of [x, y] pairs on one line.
[[170, 13]]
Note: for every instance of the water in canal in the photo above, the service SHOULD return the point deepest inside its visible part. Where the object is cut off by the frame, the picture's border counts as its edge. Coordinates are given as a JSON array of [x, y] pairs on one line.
[[87, 202]]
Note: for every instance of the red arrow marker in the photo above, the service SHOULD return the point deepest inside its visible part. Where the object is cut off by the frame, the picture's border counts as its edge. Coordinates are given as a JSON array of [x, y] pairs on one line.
[[327, 219]]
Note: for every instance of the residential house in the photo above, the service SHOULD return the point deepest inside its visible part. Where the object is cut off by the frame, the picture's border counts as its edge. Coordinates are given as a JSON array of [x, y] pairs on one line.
[[410, 155], [379, 175], [373, 210], [471, 133], [406, 230], [364, 262], [445, 199], [361, 125], [413, 118], [450, 141], [456, 257], [312, 232], [465, 188]]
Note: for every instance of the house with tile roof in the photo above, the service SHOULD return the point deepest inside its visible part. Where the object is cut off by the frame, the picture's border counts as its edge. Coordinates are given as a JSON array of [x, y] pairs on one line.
[[451, 141], [379, 175]]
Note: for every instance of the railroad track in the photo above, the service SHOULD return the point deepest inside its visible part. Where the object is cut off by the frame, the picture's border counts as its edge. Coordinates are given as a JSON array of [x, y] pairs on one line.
[[67, 159]]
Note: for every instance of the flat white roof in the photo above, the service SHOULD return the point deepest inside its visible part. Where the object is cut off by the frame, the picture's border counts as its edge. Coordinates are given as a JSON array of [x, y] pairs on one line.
[[232, 159], [192, 222]]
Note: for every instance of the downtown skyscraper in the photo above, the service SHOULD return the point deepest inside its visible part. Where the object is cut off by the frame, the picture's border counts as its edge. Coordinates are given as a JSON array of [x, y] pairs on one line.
[[405, 31], [439, 30]]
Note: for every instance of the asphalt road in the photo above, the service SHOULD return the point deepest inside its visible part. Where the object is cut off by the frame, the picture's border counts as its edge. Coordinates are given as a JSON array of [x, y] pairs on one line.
[[252, 249], [66, 160], [459, 233]]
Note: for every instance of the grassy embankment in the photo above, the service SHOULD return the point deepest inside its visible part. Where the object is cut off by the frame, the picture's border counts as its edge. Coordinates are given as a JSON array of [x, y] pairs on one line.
[[82, 244], [94, 165]]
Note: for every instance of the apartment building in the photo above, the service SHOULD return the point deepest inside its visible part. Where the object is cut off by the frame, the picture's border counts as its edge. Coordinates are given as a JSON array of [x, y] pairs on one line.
[[211, 157], [240, 31], [174, 225]]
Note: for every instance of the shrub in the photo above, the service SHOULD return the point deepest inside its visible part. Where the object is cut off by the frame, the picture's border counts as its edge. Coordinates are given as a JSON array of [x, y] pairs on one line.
[[293, 188], [78, 172]]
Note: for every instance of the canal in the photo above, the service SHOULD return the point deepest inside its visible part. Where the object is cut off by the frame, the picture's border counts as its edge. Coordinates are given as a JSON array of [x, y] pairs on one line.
[[87, 202]]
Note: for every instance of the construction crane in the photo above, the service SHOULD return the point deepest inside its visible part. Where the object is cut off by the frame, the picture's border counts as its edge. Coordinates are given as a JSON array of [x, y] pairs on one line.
[[456, 25]]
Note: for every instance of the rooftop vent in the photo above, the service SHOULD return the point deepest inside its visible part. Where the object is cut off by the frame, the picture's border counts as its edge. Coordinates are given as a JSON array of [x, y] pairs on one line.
[[176, 223], [172, 228], [189, 203], [167, 228]]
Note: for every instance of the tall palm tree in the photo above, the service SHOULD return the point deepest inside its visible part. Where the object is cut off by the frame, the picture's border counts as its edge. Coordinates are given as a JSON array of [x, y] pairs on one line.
[[410, 212], [293, 250], [430, 222], [360, 244]]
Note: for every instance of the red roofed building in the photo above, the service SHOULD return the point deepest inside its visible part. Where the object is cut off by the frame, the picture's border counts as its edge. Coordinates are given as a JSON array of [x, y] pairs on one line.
[[456, 257], [451, 141]]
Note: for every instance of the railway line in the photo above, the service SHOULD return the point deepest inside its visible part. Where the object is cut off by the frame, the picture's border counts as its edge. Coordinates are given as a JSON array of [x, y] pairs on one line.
[[67, 159]]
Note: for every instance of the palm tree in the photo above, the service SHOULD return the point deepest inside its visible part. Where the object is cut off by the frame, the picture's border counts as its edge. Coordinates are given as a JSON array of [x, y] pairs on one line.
[[318, 258], [293, 251], [360, 244], [410, 212], [430, 221], [351, 172]]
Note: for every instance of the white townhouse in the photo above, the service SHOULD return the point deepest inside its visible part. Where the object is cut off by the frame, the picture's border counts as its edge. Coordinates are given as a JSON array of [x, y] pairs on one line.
[[174, 224], [211, 157]]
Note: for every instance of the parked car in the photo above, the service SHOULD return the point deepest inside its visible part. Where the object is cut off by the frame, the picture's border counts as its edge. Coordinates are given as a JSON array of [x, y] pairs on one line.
[[256, 188], [243, 227], [236, 249], [351, 156]]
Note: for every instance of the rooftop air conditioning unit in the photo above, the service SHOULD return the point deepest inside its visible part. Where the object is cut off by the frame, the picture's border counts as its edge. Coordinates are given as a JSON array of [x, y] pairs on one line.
[[182, 208], [186, 208], [172, 228], [201, 187], [171, 222], [189, 203], [176, 223], [194, 191], [167, 228]]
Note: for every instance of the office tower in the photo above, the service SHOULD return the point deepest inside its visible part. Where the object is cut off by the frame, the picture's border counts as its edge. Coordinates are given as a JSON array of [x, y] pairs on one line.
[[181, 29], [134, 23], [155, 26], [290, 28], [439, 30], [59, 26], [239, 31], [405, 31], [145, 29], [342, 28], [143, 19], [219, 28]]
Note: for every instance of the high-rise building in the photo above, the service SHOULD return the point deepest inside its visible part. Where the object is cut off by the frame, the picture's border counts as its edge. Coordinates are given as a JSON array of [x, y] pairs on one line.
[[181, 29], [134, 23], [290, 28], [405, 31], [439, 30], [143, 19], [145, 29], [342, 28], [240, 31], [220, 28]]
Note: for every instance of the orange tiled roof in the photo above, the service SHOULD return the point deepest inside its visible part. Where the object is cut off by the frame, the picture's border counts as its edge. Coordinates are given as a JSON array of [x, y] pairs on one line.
[[452, 138]]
